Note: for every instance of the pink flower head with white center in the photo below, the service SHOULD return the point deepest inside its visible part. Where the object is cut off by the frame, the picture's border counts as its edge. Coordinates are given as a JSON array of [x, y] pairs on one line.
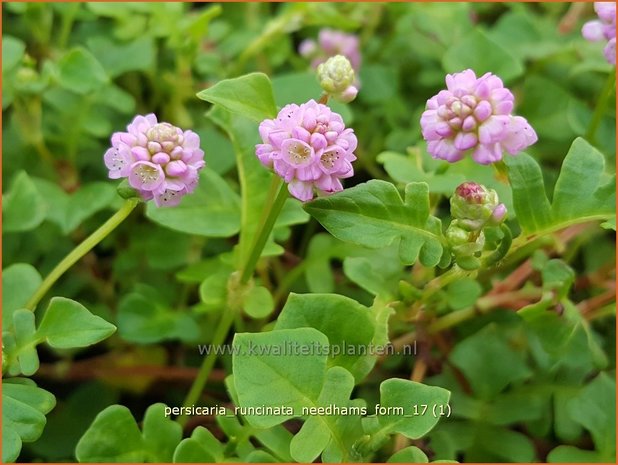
[[159, 160], [308, 146], [331, 43], [603, 29], [473, 116]]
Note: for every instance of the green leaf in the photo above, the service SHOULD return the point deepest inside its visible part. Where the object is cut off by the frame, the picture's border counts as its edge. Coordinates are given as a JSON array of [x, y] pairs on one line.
[[23, 208], [24, 406], [507, 445], [373, 214], [262, 376], [212, 210], [405, 169], [80, 72], [572, 454], [220, 155], [13, 51], [259, 456], [25, 341], [463, 293], [23, 280], [491, 359], [161, 434], [583, 191], [288, 368], [250, 95], [119, 58], [530, 201], [115, 437], [405, 394], [410, 454], [145, 319], [583, 188], [382, 80], [330, 314], [72, 416], [378, 271], [554, 125], [595, 409], [481, 54], [68, 324], [258, 302], [69, 211], [201, 447], [525, 35], [314, 437], [112, 437], [318, 269], [558, 277]]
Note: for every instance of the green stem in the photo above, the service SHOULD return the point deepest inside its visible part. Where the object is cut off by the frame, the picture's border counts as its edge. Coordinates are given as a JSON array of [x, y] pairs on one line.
[[274, 203], [209, 362], [68, 18], [452, 319], [271, 212], [81, 250], [601, 106], [440, 282]]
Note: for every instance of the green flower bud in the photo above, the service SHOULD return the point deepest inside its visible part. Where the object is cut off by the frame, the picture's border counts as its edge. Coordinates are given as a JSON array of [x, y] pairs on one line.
[[336, 77], [474, 205], [126, 191], [464, 242]]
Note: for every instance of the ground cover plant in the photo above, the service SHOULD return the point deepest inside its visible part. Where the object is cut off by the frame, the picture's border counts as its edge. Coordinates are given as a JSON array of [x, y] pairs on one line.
[[336, 232]]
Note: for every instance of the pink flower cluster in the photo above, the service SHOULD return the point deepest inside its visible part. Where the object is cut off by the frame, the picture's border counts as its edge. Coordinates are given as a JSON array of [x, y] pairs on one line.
[[159, 160], [309, 146], [603, 29], [473, 116], [331, 43]]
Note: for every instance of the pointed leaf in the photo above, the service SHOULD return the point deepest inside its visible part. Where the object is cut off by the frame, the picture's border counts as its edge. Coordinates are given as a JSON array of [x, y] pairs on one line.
[[529, 198], [68, 324], [373, 214], [583, 188], [250, 95], [583, 192], [112, 437]]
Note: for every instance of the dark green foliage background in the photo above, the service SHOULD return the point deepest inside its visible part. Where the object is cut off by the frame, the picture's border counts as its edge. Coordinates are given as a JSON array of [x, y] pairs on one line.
[[527, 386]]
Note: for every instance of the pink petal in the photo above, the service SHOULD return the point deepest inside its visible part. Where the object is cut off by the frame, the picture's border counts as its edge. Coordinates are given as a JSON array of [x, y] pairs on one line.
[[465, 140], [301, 190], [486, 154], [520, 136], [146, 176]]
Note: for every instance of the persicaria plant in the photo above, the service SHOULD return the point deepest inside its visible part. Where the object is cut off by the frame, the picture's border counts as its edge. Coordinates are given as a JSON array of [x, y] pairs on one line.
[[225, 240]]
